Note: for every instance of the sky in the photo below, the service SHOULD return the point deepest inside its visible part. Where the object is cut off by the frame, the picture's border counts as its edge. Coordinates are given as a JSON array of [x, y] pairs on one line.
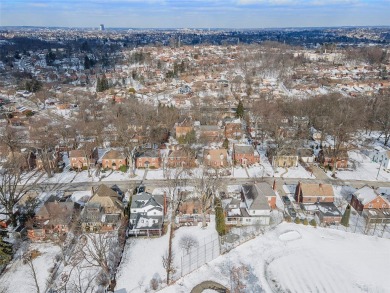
[[195, 13]]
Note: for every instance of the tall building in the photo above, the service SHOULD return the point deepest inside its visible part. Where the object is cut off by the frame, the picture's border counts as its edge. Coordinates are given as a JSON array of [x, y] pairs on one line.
[[102, 27]]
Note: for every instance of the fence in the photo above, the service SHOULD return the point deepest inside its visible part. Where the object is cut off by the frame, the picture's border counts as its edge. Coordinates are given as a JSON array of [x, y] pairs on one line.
[[239, 235], [198, 256]]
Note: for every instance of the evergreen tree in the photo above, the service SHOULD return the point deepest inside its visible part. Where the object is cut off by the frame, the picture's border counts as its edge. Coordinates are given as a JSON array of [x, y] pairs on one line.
[[240, 110], [219, 218], [346, 216], [225, 144], [5, 252]]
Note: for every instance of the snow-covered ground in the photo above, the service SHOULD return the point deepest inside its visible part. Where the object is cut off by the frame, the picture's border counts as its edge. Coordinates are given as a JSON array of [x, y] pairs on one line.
[[297, 258], [17, 277], [365, 169], [142, 259]]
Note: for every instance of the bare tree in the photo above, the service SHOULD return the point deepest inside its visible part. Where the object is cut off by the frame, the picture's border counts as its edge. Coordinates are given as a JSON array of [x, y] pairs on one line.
[[206, 183], [168, 264], [28, 258], [187, 242], [14, 184]]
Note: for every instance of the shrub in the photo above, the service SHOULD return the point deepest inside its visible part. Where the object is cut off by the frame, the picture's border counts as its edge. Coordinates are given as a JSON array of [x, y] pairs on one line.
[[297, 221], [123, 168], [305, 222], [288, 219], [313, 223]]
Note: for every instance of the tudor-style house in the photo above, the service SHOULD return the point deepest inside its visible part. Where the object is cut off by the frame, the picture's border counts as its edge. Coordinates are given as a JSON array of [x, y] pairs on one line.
[[53, 219], [103, 212]]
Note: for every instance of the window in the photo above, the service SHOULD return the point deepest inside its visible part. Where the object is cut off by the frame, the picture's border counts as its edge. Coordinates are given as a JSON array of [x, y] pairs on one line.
[[370, 206], [248, 220]]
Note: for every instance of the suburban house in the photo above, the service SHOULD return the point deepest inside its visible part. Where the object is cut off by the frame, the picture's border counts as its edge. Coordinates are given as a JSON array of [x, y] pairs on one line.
[[233, 129], [52, 220], [180, 158], [53, 159], [326, 159], [245, 155], [381, 156], [147, 214], [306, 155], [215, 158], [310, 193], [284, 158], [79, 160], [148, 158], [182, 131], [327, 212], [253, 208], [368, 198], [113, 159], [210, 133], [189, 213], [25, 158], [103, 211]]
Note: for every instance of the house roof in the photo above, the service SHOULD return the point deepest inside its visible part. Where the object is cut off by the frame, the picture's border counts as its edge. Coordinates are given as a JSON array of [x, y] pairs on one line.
[[59, 213], [148, 153], [366, 194], [314, 189], [77, 154], [141, 199], [244, 149], [107, 197], [256, 195], [328, 209], [112, 155], [148, 222]]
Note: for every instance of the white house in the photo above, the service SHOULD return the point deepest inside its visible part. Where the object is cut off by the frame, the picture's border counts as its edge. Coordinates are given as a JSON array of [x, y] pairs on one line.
[[253, 208], [146, 214], [381, 156]]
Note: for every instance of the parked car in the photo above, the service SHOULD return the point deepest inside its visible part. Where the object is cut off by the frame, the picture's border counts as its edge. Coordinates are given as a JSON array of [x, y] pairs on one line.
[[292, 212], [286, 200]]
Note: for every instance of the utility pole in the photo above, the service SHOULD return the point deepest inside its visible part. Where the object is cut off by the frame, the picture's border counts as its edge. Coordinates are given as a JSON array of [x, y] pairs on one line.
[[380, 165]]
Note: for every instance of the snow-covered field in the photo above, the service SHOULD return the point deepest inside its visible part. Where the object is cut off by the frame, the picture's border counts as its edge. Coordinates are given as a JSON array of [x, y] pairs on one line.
[[365, 170], [297, 258], [18, 276], [142, 259]]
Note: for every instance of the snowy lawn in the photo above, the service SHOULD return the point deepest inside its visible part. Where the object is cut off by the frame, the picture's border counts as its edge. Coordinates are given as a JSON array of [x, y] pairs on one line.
[[142, 259], [293, 172], [18, 278], [297, 258], [365, 169]]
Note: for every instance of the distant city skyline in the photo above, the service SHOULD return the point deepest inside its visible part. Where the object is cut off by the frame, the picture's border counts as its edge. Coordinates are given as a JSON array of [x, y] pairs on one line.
[[195, 13]]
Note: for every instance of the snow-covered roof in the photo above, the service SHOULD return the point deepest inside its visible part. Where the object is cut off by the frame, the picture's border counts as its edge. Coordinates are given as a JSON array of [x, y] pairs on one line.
[[365, 194]]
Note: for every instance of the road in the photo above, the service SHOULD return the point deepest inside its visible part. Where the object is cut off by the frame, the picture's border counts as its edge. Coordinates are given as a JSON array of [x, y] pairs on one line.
[[130, 184]]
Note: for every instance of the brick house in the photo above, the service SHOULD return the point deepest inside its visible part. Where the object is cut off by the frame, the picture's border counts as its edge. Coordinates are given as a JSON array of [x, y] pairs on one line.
[[180, 158], [113, 159], [233, 129], [78, 159], [215, 158], [326, 159], [245, 155], [309, 193], [210, 133], [368, 198], [149, 158], [52, 219]]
